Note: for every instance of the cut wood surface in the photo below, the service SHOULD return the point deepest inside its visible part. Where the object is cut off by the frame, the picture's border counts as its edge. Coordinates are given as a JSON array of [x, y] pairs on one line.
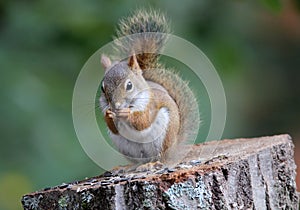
[[257, 173]]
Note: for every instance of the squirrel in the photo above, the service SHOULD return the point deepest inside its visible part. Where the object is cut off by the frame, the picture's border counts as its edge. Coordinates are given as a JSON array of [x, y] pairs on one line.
[[149, 110]]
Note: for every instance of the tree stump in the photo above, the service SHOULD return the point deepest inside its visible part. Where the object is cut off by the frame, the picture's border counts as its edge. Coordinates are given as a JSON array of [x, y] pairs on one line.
[[256, 173]]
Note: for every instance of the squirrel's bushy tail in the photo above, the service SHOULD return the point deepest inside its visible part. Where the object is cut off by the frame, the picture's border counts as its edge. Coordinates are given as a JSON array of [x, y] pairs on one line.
[[144, 33]]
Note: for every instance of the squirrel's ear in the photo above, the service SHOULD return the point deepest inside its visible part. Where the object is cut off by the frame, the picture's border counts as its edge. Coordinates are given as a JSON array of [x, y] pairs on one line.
[[134, 64], [105, 61]]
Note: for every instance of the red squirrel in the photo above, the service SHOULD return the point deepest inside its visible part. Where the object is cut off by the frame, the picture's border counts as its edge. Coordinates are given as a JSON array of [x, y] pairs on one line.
[[148, 109]]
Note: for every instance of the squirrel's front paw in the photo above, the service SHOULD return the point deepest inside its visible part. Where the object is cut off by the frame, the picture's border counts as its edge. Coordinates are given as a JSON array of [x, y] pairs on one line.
[[110, 114], [123, 113]]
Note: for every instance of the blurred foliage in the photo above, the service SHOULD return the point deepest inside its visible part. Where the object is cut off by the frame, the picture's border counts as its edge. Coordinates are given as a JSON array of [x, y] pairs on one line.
[[275, 5], [44, 44]]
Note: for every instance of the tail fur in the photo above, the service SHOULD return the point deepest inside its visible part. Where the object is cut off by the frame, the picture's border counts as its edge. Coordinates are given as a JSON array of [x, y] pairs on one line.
[[144, 33]]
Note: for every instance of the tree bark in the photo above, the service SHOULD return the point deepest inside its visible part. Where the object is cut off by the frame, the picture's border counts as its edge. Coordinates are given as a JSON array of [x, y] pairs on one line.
[[256, 173]]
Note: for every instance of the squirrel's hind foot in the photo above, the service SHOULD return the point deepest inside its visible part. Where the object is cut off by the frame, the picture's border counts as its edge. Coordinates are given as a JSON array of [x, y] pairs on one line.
[[151, 166]]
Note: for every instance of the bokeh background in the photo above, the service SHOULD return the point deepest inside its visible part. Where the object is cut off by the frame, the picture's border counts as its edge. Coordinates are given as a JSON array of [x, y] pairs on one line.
[[254, 45]]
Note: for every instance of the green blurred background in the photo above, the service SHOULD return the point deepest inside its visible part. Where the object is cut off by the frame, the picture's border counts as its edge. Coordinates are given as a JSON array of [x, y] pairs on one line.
[[254, 45]]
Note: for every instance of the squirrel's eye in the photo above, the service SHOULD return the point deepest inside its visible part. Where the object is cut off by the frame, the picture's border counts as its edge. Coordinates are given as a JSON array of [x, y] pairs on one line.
[[129, 85]]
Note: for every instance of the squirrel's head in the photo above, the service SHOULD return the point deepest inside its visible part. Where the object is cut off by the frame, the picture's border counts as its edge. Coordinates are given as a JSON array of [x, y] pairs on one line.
[[123, 84]]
